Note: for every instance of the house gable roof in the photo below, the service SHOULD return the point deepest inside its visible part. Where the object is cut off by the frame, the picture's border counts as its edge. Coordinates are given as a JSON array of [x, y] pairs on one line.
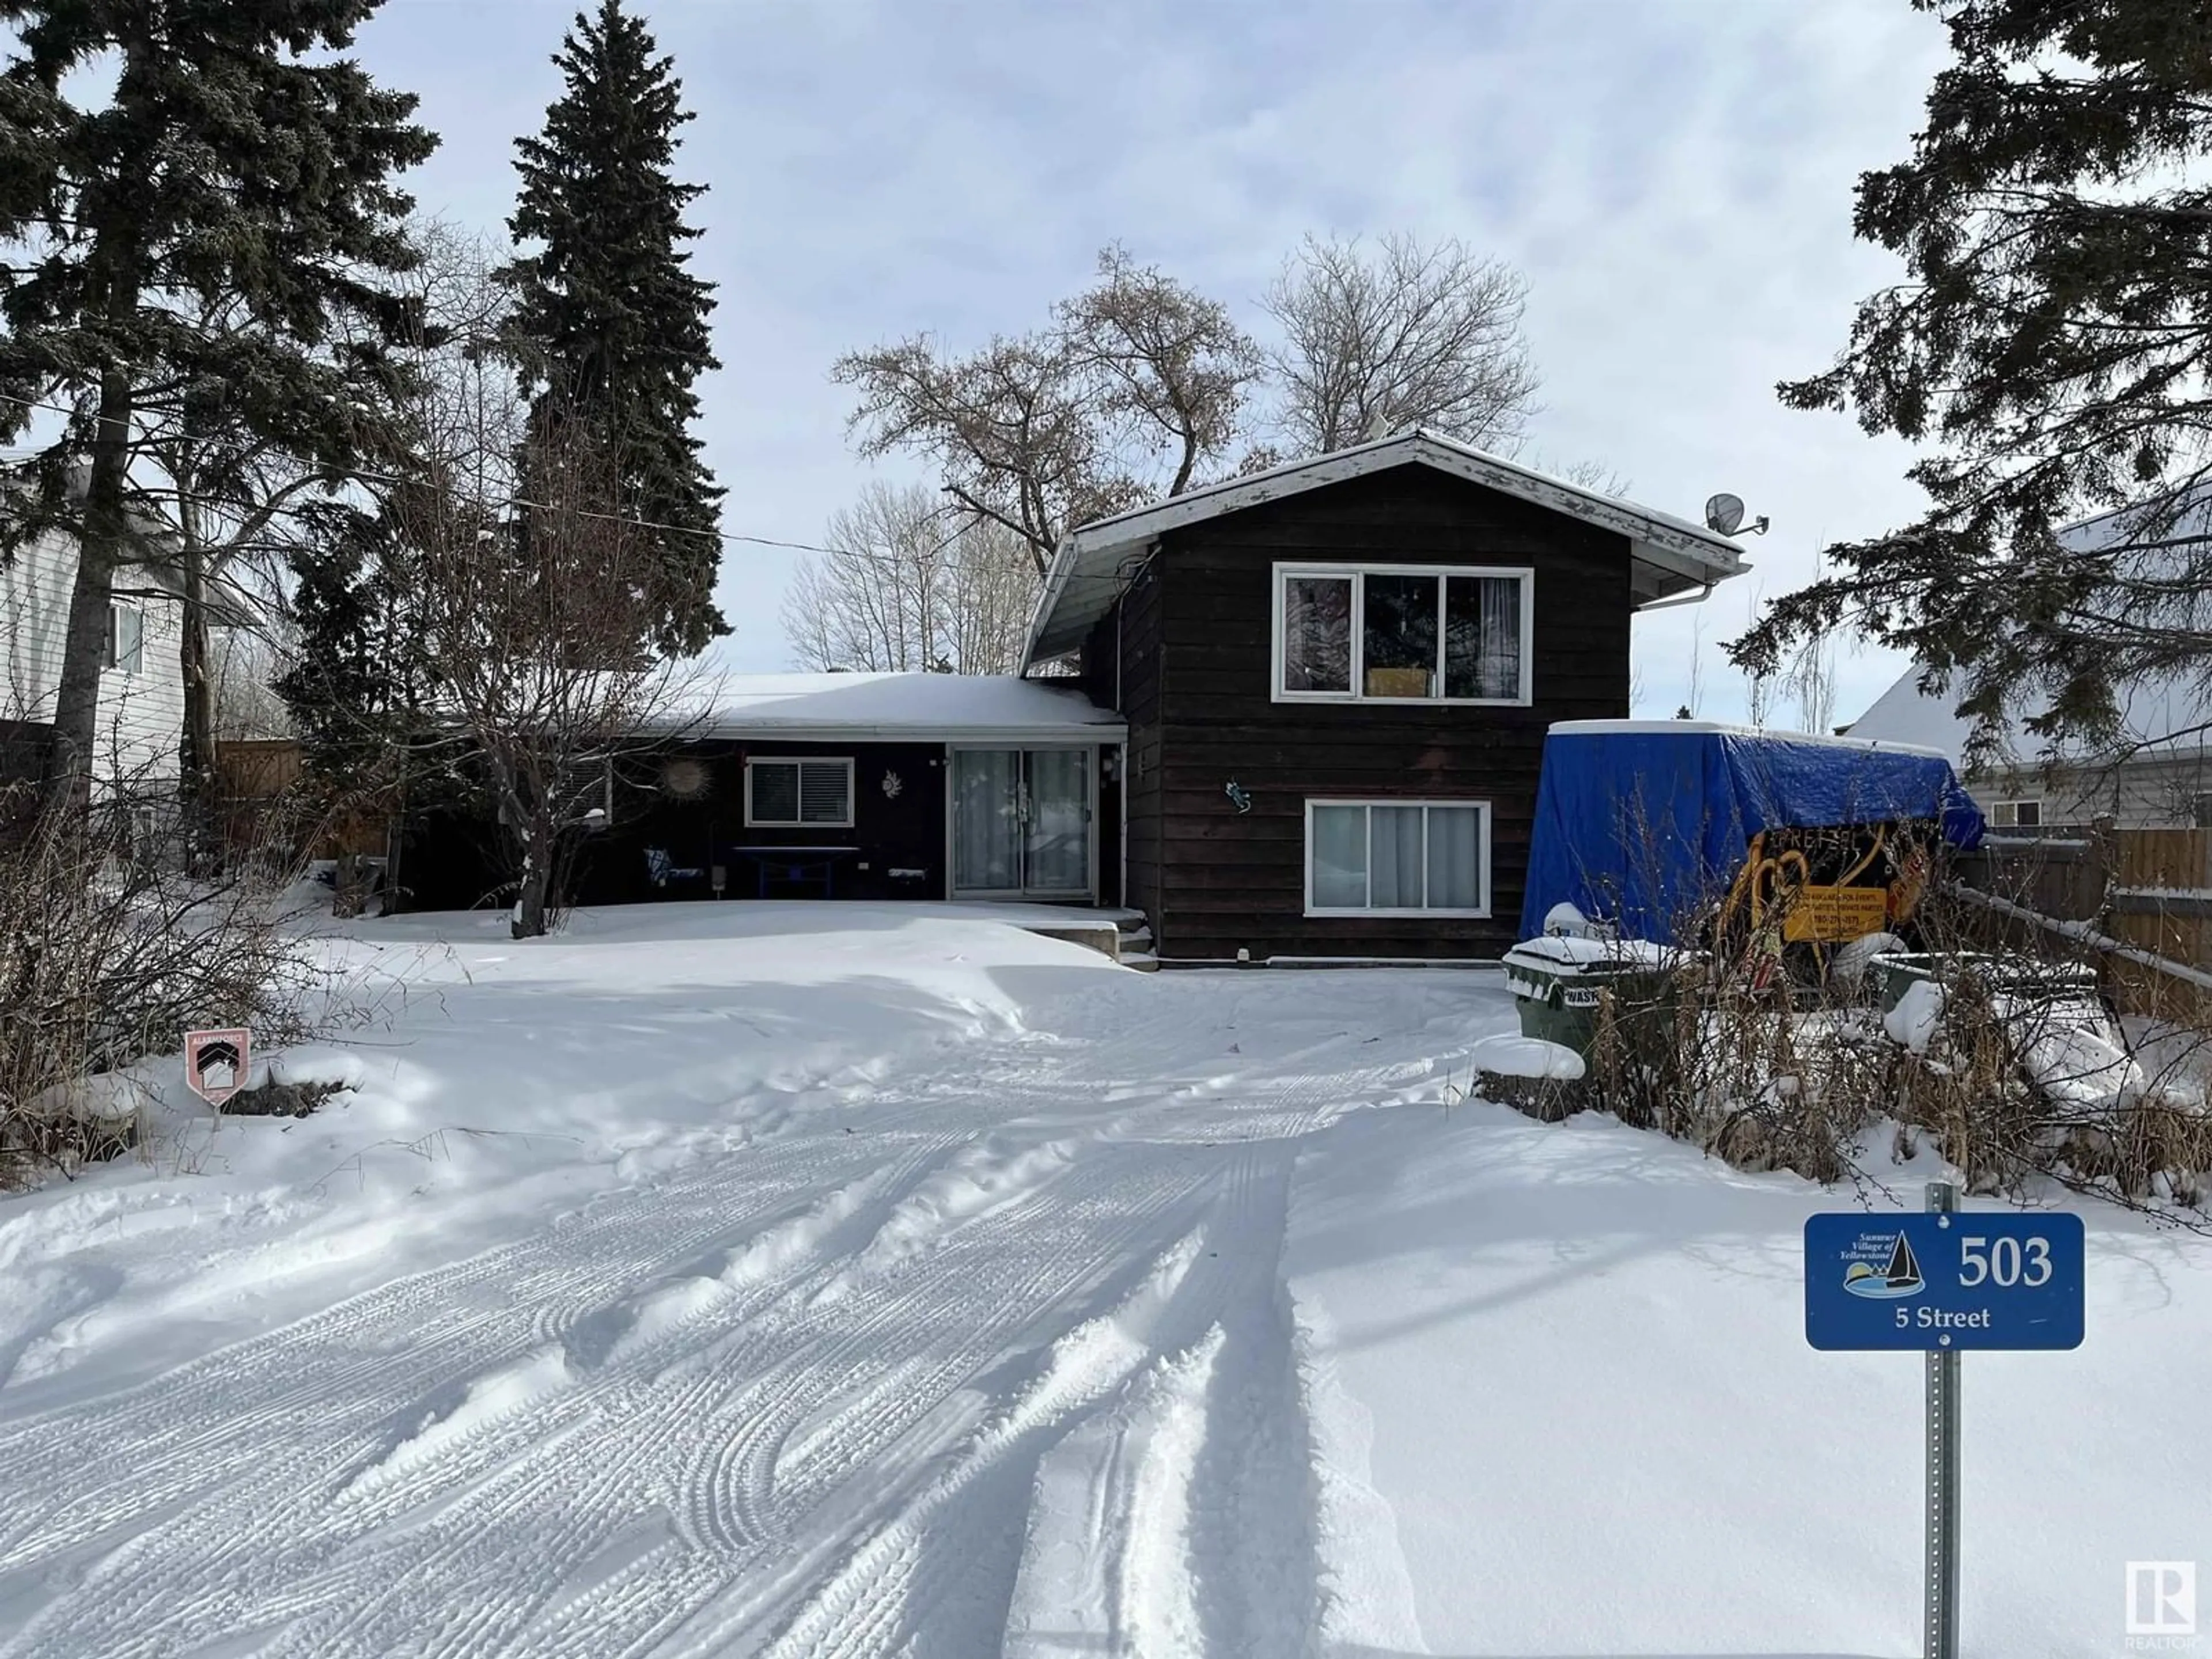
[[2159, 717], [1672, 556]]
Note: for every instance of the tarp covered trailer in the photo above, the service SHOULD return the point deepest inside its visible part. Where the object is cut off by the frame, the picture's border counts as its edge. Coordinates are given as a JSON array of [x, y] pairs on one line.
[[1658, 826]]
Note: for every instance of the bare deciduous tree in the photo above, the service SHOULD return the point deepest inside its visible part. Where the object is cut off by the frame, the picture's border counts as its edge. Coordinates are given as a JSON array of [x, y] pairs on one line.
[[912, 588], [1043, 431], [1406, 334], [1172, 368], [534, 623]]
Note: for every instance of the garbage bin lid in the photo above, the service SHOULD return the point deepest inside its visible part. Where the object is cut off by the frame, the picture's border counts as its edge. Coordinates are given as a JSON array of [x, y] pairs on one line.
[[1568, 955]]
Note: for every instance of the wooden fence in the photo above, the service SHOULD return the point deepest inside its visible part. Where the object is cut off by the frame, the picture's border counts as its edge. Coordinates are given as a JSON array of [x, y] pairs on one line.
[[253, 779], [2139, 900]]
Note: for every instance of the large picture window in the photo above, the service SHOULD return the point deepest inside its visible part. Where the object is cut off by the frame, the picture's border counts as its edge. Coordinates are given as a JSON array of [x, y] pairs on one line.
[[796, 794], [1402, 634], [1397, 858]]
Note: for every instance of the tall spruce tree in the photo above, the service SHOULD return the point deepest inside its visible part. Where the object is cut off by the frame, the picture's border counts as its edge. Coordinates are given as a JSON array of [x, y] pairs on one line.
[[609, 325], [2051, 347], [231, 167]]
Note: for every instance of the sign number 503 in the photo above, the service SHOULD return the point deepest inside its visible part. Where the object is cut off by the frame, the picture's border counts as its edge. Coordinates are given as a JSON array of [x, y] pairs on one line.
[[2025, 1262]]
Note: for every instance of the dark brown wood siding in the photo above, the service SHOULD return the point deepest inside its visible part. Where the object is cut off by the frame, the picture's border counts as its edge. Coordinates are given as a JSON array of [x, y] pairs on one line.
[[1122, 669], [1216, 880], [897, 839]]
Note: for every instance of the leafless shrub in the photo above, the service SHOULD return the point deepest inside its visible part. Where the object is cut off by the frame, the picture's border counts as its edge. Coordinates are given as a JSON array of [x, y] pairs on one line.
[[110, 951], [2007, 1058], [534, 633]]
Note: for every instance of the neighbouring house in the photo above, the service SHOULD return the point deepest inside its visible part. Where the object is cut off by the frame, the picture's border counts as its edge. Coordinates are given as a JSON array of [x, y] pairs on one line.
[[1299, 715], [142, 696], [2157, 774]]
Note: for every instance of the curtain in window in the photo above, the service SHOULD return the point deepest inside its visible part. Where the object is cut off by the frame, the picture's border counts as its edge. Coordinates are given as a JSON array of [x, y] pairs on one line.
[[1339, 858], [1317, 634], [987, 825], [1482, 637], [825, 794], [126, 637], [1455, 857], [1394, 838], [1059, 821]]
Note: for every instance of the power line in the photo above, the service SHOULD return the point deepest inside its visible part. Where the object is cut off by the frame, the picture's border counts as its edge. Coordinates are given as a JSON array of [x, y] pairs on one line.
[[722, 536]]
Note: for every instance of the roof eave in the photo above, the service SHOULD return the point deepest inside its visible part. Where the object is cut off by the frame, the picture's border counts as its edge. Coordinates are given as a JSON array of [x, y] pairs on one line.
[[768, 732], [1687, 555]]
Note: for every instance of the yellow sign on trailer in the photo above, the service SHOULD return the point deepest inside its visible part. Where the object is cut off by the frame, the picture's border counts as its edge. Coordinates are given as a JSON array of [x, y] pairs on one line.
[[1835, 915]]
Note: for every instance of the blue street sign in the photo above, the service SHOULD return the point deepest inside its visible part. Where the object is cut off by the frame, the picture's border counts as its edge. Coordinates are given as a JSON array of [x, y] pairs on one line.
[[1946, 1281]]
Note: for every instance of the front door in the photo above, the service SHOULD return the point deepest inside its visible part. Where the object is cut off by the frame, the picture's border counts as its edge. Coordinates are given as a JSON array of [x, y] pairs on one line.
[[1021, 822]]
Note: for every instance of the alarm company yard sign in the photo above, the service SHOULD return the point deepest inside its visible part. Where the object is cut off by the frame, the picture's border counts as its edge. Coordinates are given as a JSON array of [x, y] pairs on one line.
[[216, 1063], [1950, 1280]]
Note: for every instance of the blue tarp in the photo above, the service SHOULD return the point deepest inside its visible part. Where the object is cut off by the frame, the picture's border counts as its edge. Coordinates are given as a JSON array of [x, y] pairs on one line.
[[1643, 822]]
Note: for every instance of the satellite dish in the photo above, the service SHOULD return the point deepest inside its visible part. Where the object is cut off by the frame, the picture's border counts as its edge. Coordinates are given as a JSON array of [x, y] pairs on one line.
[[1725, 513]]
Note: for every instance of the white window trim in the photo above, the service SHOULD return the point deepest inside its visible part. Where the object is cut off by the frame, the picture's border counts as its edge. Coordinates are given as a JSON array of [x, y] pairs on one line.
[[754, 823], [1285, 570], [2005, 814], [1481, 914]]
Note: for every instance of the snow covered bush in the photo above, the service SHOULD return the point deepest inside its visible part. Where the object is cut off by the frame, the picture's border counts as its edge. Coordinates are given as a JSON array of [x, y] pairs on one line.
[[2009, 1063]]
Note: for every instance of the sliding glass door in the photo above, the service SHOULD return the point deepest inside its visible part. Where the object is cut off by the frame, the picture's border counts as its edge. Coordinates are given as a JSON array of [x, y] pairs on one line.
[[1021, 822]]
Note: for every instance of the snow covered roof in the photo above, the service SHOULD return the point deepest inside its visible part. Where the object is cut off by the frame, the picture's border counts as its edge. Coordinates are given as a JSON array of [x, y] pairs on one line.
[[1670, 554], [2156, 716], [1707, 728], [861, 706]]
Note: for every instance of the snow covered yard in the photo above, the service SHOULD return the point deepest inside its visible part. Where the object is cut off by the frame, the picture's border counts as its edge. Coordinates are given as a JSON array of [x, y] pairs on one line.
[[798, 1280]]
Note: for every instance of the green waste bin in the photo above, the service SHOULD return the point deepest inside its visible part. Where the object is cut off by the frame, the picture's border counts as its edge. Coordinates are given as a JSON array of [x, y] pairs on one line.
[[2016, 976], [1559, 985]]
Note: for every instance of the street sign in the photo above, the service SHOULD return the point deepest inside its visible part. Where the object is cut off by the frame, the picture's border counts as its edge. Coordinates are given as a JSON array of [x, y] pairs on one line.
[[1946, 1281], [216, 1063], [1938, 1282]]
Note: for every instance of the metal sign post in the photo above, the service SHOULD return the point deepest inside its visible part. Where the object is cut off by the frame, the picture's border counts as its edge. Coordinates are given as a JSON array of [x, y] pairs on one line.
[[1940, 1618], [1941, 1282]]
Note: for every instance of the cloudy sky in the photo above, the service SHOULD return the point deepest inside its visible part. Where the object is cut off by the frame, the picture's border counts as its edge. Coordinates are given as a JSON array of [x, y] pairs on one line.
[[1673, 177]]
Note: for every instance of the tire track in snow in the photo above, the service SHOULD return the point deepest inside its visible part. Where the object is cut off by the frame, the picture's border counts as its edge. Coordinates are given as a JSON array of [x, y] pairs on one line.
[[1084, 1365], [470, 1548], [250, 1520], [468, 1544], [582, 1521], [1124, 1480], [938, 1575]]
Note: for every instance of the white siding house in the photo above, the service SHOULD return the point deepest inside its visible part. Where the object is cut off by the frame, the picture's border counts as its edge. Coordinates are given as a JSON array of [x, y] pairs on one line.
[[2158, 776], [142, 694]]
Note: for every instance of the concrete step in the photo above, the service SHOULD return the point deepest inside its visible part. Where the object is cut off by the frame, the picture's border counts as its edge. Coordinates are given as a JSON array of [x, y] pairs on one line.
[[1143, 961], [1139, 938]]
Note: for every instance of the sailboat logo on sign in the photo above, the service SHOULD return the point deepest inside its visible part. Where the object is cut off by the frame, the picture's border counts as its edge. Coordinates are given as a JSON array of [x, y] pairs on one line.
[[1883, 1268]]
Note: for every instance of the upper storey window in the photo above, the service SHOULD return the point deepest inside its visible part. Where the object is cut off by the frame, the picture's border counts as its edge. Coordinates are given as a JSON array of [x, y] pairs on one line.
[[1402, 634]]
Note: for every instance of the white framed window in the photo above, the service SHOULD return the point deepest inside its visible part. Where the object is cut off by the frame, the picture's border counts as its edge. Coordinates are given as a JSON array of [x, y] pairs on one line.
[[1404, 633], [125, 651], [2017, 814], [1398, 857], [803, 793]]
